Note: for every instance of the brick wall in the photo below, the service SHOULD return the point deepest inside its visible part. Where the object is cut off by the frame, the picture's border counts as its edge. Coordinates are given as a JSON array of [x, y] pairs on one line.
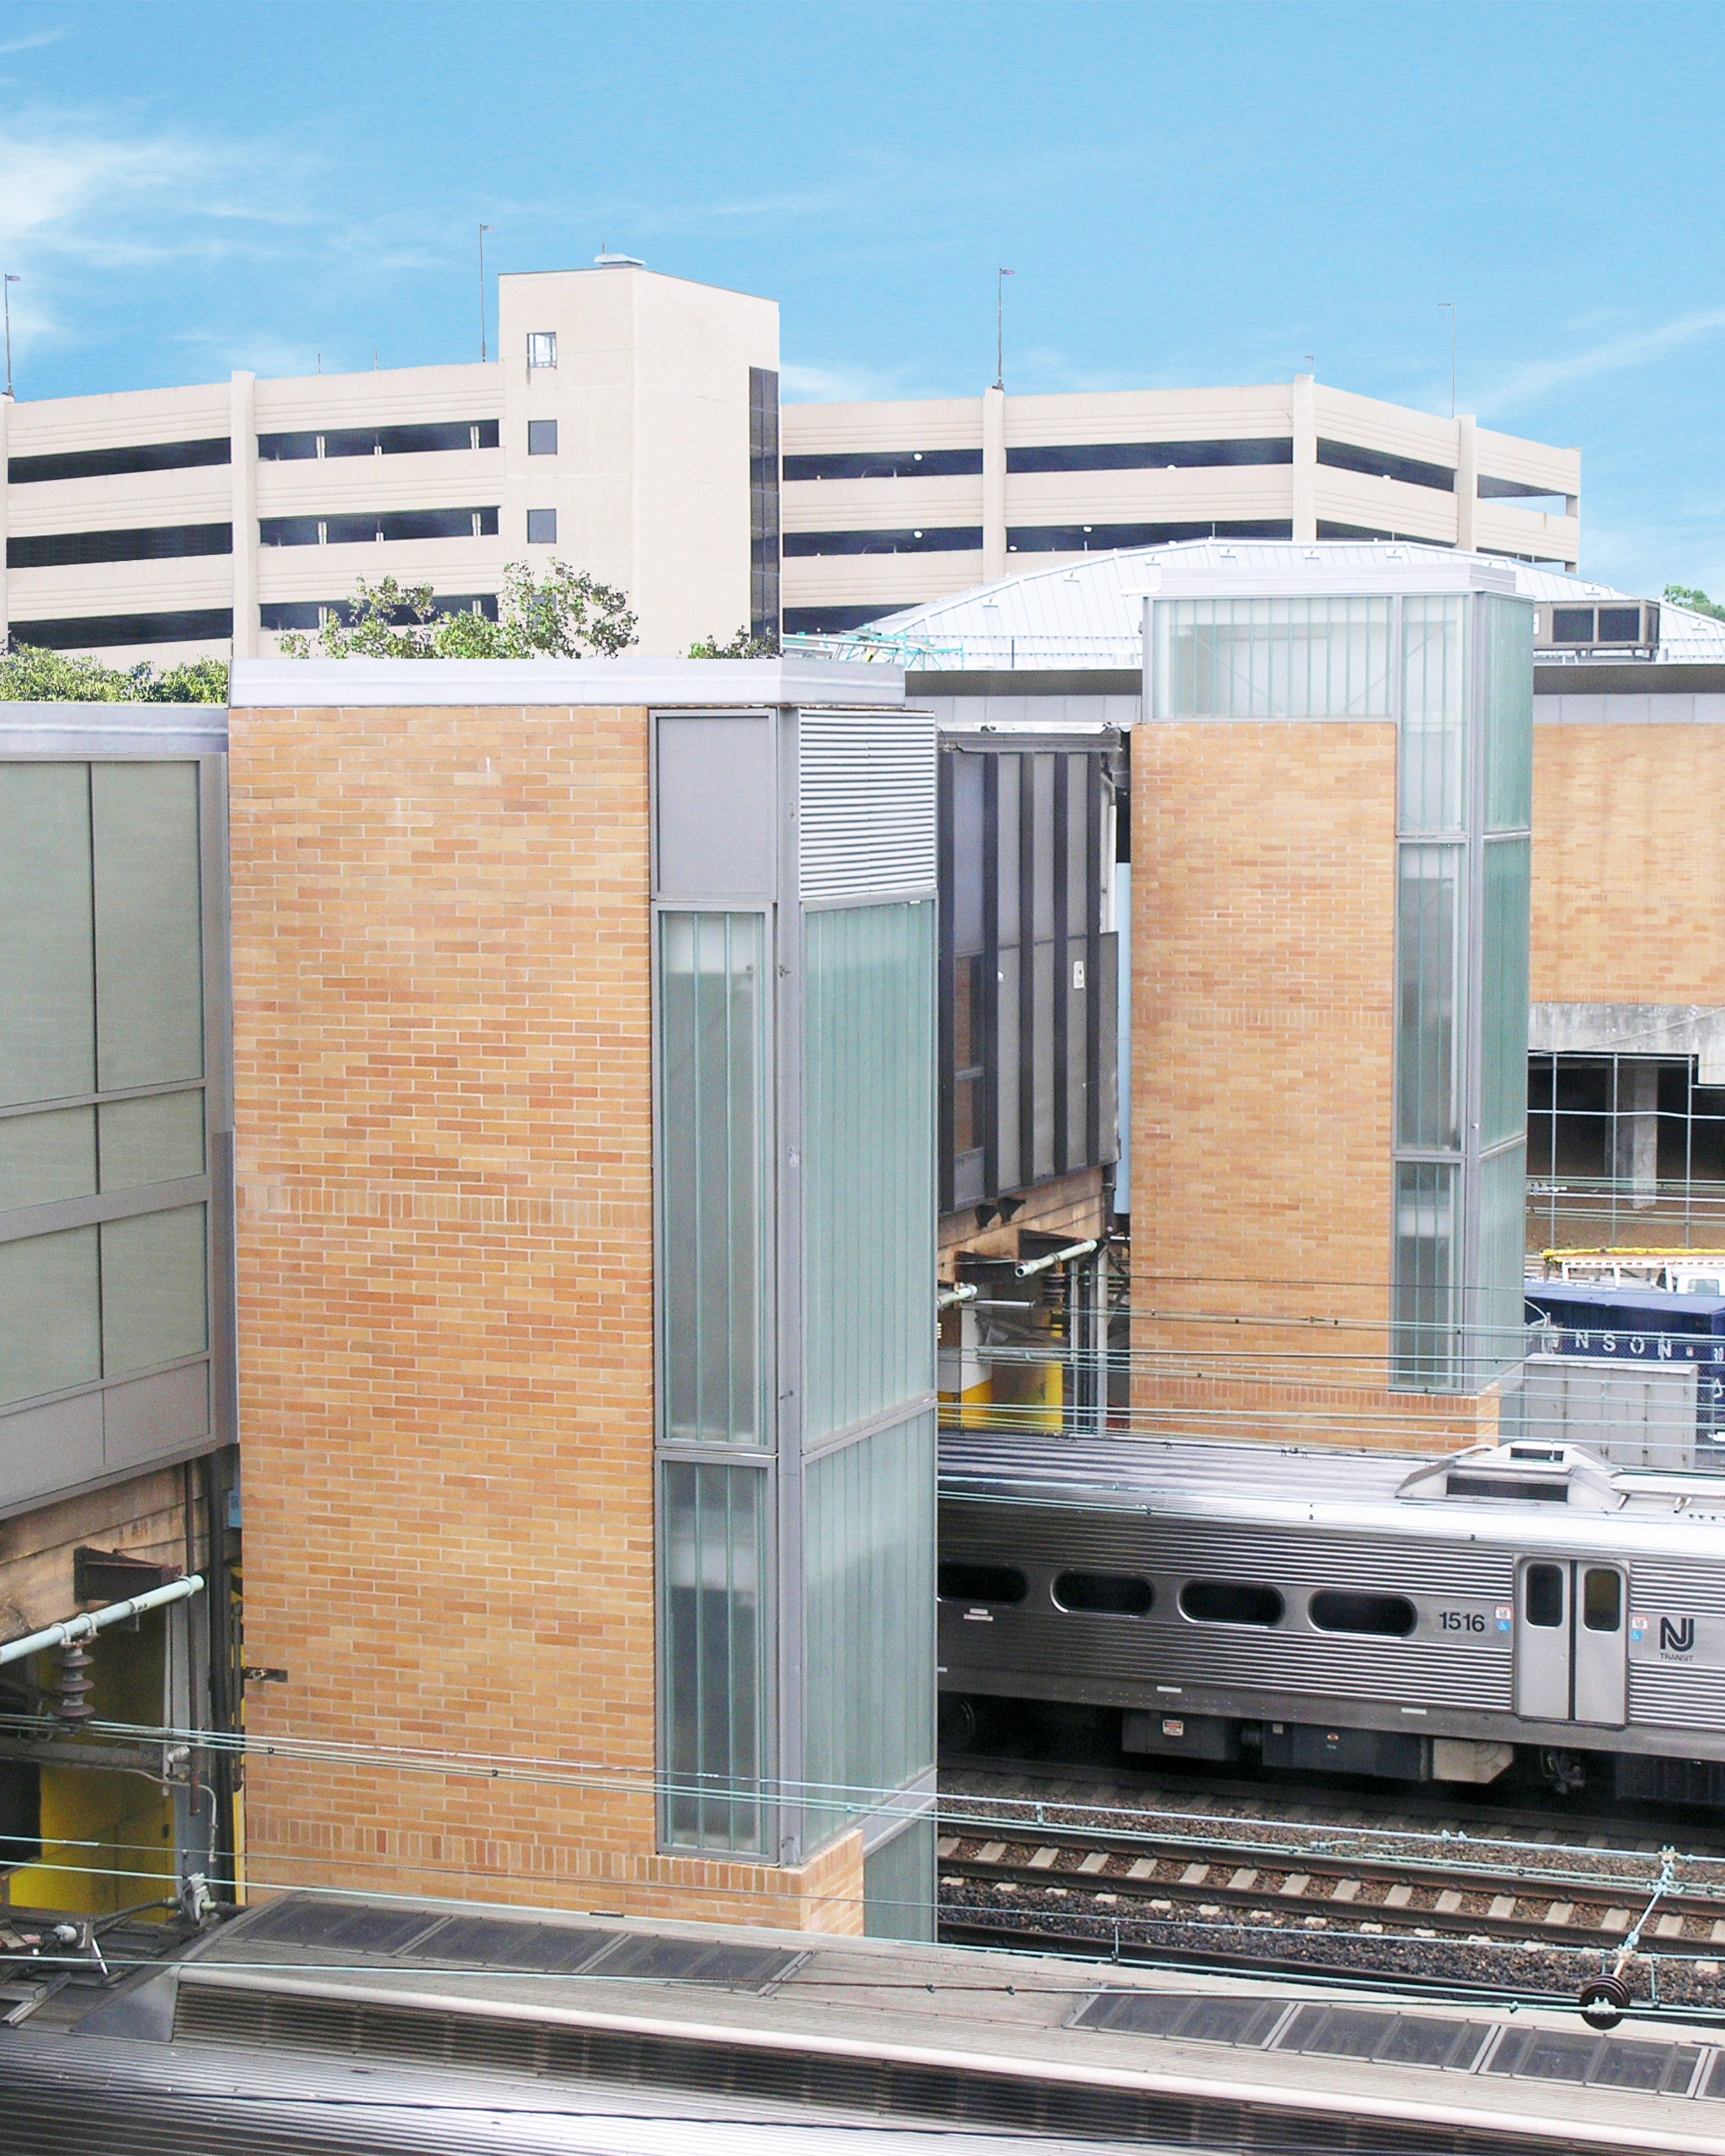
[[445, 1237], [1263, 1062], [1628, 875]]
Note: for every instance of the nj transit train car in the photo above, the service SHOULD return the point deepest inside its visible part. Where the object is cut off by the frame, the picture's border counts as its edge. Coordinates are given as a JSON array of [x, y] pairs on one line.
[[1337, 1610]]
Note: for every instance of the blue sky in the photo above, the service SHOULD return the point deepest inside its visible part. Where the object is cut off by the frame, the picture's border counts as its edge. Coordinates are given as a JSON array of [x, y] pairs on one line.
[[1187, 193]]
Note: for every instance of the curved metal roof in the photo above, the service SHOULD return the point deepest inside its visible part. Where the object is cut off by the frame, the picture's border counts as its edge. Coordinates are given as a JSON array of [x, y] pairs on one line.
[[1089, 613]]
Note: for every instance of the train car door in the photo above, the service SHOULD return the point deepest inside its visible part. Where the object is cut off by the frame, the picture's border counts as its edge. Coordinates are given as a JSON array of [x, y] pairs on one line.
[[1601, 1646], [1571, 1645]]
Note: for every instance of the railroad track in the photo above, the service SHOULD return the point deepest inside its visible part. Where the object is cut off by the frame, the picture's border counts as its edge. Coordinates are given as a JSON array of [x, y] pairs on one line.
[[1185, 1878], [1479, 1812]]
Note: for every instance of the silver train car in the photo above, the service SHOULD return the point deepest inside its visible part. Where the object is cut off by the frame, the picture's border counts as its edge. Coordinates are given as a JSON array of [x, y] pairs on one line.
[[1514, 1603]]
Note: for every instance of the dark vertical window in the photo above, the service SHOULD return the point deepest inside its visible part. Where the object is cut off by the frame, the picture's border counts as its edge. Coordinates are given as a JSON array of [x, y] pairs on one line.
[[542, 437], [1602, 1599], [763, 506], [1543, 1592], [967, 1053]]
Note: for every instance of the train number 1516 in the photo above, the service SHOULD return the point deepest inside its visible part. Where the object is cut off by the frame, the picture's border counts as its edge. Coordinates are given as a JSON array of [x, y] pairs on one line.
[[1461, 1621]]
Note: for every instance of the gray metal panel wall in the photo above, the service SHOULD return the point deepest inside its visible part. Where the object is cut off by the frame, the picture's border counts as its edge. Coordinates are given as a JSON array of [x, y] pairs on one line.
[[1025, 966], [104, 1428]]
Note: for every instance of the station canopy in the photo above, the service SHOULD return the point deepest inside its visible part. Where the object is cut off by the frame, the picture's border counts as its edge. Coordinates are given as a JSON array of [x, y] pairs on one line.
[[1089, 611]]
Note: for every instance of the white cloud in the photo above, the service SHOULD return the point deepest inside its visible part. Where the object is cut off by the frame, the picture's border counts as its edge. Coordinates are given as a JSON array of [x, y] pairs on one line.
[[82, 197], [91, 193], [32, 43], [1614, 355], [805, 385]]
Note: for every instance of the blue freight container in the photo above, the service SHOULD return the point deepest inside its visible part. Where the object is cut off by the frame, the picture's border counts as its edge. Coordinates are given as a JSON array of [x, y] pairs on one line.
[[1636, 1325]]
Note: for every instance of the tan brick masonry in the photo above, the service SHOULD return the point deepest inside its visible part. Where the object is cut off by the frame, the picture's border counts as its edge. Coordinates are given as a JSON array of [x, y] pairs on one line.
[[444, 1241], [1263, 1060]]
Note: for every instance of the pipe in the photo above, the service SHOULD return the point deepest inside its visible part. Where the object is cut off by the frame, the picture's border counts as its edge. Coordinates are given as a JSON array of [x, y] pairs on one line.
[[1055, 1257], [91, 1622], [945, 1298]]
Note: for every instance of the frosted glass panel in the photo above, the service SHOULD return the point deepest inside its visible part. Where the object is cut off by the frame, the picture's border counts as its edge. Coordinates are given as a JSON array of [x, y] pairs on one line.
[[50, 1314], [47, 993], [869, 1557], [154, 1292], [1428, 982], [1495, 1307], [898, 1884], [149, 961], [714, 1669], [711, 1165], [1509, 713], [46, 1156], [154, 1141], [1503, 991], [1434, 737], [1423, 1345], [1272, 657], [868, 1161]]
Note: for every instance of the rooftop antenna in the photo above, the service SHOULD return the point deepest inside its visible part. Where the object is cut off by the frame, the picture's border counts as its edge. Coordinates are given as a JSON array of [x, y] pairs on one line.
[[5, 293], [483, 353], [1000, 328], [1450, 304]]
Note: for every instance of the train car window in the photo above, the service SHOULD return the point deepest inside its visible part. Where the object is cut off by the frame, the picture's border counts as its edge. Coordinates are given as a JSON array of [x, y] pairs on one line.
[[1386, 1616], [1230, 1602], [1602, 1599], [1110, 1595], [1542, 1590], [982, 1583]]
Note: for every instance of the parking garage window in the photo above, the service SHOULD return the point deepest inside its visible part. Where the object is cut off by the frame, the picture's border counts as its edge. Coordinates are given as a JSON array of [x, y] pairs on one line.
[[1230, 1602], [1106, 1594], [1386, 1616], [1001, 1583], [1149, 455], [933, 539], [887, 464], [367, 526]]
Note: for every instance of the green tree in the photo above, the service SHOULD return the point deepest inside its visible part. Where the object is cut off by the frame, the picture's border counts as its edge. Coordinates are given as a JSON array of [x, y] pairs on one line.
[[1697, 601], [29, 675], [562, 615], [742, 645]]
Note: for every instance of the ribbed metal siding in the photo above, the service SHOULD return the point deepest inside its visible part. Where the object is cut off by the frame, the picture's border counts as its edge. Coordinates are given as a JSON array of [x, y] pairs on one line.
[[866, 788], [1295, 1559], [1661, 1697], [1163, 1648], [1139, 1653], [1692, 1590]]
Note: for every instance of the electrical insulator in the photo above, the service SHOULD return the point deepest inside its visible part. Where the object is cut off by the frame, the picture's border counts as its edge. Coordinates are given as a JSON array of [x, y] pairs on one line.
[[76, 1685]]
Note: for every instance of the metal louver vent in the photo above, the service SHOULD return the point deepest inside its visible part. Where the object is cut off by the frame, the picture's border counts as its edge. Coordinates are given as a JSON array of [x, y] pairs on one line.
[[475, 1942], [866, 788]]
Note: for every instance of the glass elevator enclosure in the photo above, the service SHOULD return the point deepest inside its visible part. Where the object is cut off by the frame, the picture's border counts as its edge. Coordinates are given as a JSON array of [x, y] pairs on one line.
[[1452, 671], [794, 1121]]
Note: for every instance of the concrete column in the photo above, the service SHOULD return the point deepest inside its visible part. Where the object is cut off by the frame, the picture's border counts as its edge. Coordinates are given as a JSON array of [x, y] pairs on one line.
[[1467, 479], [5, 498], [994, 484], [242, 433], [1634, 1133], [1305, 417]]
